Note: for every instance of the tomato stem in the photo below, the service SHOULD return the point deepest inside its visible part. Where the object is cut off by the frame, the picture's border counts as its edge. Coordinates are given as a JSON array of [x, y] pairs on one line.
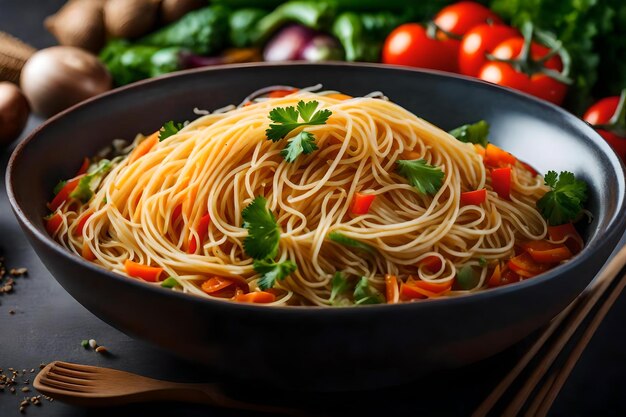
[[525, 63], [432, 29], [617, 122]]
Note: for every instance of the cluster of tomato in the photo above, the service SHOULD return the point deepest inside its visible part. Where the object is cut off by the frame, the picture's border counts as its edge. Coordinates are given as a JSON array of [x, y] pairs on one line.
[[470, 39]]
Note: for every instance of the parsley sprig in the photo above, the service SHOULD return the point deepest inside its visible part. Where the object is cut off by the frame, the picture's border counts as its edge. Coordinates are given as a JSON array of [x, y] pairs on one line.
[[169, 128], [426, 178], [564, 202], [261, 244], [286, 119]]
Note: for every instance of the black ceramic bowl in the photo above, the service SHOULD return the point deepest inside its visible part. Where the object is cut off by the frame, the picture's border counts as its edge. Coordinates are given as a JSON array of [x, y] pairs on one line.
[[323, 348]]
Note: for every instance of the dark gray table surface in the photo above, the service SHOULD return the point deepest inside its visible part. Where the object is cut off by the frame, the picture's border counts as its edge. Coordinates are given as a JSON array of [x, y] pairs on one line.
[[49, 325]]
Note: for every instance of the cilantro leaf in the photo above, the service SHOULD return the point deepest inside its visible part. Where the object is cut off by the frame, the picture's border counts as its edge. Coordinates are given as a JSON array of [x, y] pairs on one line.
[[342, 239], [426, 178], [303, 142], [169, 128], [87, 184], [564, 202], [307, 110], [271, 271], [366, 294], [263, 231], [339, 286], [286, 119], [472, 133]]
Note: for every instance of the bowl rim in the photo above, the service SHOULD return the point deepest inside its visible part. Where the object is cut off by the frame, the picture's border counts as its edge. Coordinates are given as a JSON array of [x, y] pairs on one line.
[[616, 224]]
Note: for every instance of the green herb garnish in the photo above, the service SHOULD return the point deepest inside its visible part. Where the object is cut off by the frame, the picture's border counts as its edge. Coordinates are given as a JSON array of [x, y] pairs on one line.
[[271, 271], [84, 343], [169, 128], [564, 202], [302, 143], [342, 239], [472, 133], [366, 294], [87, 184], [426, 178], [482, 261], [339, 286], [170, 282], [263, 231], [286, 119]]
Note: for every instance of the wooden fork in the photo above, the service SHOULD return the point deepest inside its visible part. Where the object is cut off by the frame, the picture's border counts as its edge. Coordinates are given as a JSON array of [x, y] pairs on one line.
[[95, 386]]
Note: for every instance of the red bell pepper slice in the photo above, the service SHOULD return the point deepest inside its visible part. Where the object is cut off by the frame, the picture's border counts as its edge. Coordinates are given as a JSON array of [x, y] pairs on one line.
[[473, 198], [361, 203], [501, 182]]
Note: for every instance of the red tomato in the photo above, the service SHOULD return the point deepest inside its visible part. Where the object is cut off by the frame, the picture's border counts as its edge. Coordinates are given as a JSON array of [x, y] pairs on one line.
[[479, 41], [410, 45], [600, 113], [459, 18], [538, 84]]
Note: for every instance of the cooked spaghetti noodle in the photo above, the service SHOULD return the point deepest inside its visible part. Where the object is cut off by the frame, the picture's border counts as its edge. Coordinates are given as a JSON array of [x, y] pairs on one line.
[[191, 188]]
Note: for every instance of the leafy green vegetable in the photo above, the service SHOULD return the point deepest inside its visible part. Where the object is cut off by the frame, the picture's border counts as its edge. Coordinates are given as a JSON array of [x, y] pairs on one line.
[[472, 133], [467, 278], [286, 119], [87, 184], [339, 284], [169, 128], [128, 63], [362, 34], [303, 142], [426, 178], [564, 202], [84, 343], [203, 31], [271, 271], [243, 24], [170, 282], [59, 187], [366, 294], [263, 231], [313, 14], [342, 239]]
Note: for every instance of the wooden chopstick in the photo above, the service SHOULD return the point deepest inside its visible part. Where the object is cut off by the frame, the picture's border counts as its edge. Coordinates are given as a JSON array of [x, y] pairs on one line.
[[545, 402], [568, 320]]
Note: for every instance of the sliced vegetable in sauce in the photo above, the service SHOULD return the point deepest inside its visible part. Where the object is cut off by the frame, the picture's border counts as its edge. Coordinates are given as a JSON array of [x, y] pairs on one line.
[[467, 278], [91, 180], [564, 202], [475, 133], [339, 284], [426, 178], [342, 239], [364, 293], [170, 282]]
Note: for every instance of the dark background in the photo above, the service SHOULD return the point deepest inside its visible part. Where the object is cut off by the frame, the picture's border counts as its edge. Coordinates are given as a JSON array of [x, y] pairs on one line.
[[49, 325]]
